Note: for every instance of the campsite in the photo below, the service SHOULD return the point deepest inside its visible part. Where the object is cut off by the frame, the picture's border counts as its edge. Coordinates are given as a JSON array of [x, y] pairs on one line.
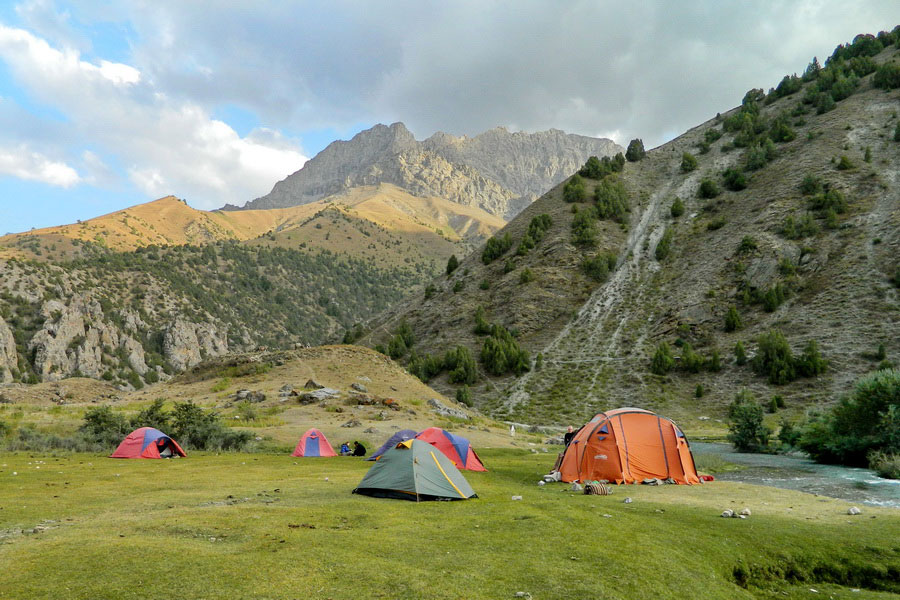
[[272, 526]]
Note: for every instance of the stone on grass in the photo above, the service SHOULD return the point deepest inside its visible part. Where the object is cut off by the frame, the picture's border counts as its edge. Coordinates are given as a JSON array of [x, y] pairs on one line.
[[728, 513], [853, 511]]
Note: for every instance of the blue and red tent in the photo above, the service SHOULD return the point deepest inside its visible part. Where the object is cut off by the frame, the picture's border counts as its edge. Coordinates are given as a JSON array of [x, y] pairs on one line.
[[401, 436], [147, 442], [455, 447], [313, 443]]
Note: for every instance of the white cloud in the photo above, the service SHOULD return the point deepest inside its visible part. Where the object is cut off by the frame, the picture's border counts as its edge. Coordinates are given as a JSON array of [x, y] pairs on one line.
[[33, 166], [169, 145]]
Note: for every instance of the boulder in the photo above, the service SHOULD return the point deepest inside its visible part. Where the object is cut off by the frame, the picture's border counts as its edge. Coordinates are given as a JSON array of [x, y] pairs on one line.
[[446, 411], [8, 355], [318, 395], [311, 384], [359, 387]]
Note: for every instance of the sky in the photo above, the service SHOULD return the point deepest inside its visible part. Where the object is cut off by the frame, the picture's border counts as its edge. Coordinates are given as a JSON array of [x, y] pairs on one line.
[[109, 103]]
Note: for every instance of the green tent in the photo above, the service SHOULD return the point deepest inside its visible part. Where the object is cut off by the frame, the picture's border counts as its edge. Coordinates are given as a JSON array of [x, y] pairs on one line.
[[415, 470]]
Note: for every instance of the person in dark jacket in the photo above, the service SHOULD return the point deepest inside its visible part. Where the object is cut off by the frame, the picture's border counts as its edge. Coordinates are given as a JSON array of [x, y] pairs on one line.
[[567, 438], [358, 449]]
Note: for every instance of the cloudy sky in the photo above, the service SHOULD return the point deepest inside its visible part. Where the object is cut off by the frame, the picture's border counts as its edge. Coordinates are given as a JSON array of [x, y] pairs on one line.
[[109, 103]]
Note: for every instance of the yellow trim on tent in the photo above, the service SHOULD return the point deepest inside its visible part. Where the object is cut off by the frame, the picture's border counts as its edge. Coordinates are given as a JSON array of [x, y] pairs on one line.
[[461, 495], [407, 444]]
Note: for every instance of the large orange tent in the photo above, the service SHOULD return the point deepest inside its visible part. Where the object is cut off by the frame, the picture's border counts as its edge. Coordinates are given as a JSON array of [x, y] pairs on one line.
[[629, 445]]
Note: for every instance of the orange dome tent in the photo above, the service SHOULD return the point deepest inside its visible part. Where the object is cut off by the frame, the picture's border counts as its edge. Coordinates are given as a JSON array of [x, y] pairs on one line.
[[628, 445]]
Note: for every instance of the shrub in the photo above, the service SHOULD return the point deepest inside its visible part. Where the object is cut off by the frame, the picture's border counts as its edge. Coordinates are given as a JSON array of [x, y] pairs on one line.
[[843, 87], [430, 291], [495, 248], [662, 361], [711, 135], [635, 151], [717, 223], [897, 132], [677, 208], [845, 163], [811, 362], [196, 428], [152, 416], [774, 358], [887, 77], [535, 233], [740, 355], [708, 189], [691, 361], [867, 421], [781, 132], [596, 168], [103, 426], [396, 347], [699, 391], [688, 162], [747, 432], [811, 185], [748, 244], [773, 297], [484, 285], [664, 246], [734, 179], [733, 320], [526, 276], [867, 155], [482, 327], [714, 362], [458, 286], [584, 230], [574, 190], [831, 199], [611, 199], [788, 435], [599, 267], [501, 353], [464, 396], [452, 263], [824, 103], [461, 365], [794, 229], [885, 464]]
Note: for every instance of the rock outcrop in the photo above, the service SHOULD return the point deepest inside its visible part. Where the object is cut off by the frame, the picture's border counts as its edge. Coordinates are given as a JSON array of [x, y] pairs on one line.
[[498, 171], [185, 343], [8, 355]]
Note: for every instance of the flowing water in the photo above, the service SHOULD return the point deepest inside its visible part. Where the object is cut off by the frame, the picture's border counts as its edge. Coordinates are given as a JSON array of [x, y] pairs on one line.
[[802, 474]]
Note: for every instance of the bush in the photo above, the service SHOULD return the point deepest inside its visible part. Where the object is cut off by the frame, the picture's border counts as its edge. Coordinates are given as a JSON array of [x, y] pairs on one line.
[[635, 151], [887, 77], [452, 263], [794, 229], [664, 246], [152, 416], [867, 421], [740, 355], [699, 391], [897, 132], [662, 361], [688, 162], [535, 233], [461, 365], [691, 361], [574, 191], [811, 185], [599, 267], [774, 358], [677, 208], [196, 428], [831, 199], [495, 248], [733, 320], [611, 199], [708, 189], [886, 465], [714, 362], [104, 427], [482, 327], [501, 353], [734, 178], [824, 103], [747, 432], [748, 244], [526, 276], [464, 396], [711, 135], [788, 435], [484, 285], [458, 286], [584, 229], [845, 163]]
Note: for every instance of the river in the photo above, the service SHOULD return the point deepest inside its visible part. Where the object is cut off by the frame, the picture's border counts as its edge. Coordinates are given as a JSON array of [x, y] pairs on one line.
[[798, 473]]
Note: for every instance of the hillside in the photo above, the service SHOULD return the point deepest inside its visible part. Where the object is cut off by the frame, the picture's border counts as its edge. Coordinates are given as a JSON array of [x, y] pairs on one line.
[[419, 229], [497, 171], [799, 233]]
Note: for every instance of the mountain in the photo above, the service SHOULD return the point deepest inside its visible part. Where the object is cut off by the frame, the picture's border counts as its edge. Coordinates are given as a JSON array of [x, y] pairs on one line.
[[787, 240], [497, 171]]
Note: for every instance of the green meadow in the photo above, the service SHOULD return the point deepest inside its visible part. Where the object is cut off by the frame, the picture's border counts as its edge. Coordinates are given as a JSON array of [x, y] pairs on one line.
[[272, 526]]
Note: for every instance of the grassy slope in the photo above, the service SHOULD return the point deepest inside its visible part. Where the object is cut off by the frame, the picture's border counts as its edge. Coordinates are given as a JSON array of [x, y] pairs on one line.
[[138, 529]]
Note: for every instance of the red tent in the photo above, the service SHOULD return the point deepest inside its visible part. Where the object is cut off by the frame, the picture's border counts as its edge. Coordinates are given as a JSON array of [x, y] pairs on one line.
[[313, 443], [456, 448], [147, 442]]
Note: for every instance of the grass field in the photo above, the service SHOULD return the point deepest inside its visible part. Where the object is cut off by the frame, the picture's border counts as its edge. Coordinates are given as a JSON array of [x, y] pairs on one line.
[[272, 526]]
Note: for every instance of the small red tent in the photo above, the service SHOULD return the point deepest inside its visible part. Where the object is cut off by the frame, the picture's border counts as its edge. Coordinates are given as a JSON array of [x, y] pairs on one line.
[[456, 448], [147, 442], [313, 443]]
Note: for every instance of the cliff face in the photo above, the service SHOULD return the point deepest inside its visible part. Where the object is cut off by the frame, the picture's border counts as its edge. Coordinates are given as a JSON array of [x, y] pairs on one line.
[[498, 171]]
